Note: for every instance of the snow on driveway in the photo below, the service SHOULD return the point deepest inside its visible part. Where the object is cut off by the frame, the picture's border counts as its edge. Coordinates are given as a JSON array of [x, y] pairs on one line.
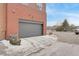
[[59, 49], [30, 45], [41, 46]]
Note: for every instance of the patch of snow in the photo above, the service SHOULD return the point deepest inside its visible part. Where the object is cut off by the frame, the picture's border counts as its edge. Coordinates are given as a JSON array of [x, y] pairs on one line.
[[29, 45]]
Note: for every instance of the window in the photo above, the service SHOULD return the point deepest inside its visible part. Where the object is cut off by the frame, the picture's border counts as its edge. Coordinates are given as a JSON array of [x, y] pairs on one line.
[[39, 6]]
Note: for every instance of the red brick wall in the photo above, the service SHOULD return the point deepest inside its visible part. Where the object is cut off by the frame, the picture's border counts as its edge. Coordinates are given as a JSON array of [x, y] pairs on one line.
[[28, 12], [2, 20]]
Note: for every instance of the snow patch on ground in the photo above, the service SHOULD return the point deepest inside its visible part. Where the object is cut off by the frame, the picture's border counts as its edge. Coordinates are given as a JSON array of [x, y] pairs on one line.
[[29, 45]]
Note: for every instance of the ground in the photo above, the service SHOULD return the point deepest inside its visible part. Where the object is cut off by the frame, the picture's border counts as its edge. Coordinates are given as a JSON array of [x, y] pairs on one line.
[[59, 49], [68, 37], [67, 44]]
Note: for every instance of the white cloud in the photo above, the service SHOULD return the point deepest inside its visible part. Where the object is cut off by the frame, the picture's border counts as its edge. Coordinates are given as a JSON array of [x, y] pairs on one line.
[[51, 23], [73, 18], [50, 11]]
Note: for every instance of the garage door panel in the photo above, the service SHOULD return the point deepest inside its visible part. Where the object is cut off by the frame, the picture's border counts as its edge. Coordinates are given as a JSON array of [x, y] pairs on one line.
[[30, 29]]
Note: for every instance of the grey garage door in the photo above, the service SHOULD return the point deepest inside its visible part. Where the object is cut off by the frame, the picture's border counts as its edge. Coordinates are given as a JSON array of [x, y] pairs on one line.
[[30, 29]]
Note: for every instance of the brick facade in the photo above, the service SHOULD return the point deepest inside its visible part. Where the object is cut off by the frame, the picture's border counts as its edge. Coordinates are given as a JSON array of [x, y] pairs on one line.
[[13, 12]]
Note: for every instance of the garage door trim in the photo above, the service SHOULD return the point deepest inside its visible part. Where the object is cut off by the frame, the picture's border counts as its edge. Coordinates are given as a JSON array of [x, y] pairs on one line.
[[29, 21]]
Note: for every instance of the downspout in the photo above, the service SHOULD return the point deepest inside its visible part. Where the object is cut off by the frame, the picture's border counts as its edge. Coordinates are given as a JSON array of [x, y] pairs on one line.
[[6, 23]]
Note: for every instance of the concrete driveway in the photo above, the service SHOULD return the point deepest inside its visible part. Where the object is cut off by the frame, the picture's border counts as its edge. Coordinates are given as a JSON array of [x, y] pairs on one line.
[[68, 37]]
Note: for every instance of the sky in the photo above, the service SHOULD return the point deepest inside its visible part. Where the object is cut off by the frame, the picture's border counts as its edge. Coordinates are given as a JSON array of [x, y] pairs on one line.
[[57, 12]]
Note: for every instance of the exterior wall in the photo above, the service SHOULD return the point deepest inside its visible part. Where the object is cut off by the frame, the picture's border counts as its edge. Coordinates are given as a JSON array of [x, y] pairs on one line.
[[27, 12], [44, 15], [2, 20]]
